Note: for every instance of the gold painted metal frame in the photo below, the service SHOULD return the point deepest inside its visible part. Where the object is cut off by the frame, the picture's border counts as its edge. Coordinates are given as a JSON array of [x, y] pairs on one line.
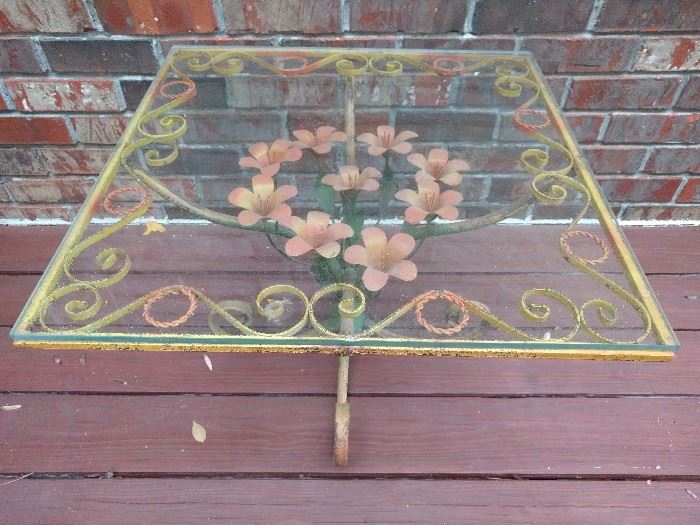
[[351, 62]]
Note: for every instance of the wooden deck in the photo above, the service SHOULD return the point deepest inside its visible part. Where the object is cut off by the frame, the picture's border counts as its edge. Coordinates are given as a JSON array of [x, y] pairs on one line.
[[106, 435]]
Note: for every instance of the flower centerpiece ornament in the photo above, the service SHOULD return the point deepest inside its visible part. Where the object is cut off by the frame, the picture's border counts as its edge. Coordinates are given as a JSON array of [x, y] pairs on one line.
[[337, 242]]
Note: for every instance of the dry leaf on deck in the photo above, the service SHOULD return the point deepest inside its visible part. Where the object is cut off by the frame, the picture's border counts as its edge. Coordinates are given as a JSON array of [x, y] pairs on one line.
[[10, 407], [199, 433], [207, 362], [153, 227]]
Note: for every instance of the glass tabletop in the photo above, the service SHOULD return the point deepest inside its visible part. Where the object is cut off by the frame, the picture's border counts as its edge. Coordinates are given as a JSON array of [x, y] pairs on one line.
[[348, 201]]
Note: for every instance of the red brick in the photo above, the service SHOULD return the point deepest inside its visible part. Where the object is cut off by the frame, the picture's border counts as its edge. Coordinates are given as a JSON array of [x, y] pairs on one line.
[[525, 16], [384, 41], [34, 130], [479, 91], [577, 55], [622, 92], [17, 56], [233, 127], [3, 104], [585, 126], [648, 15], [690, 96], [220, 40], [405, 90], [21, 161], [79, 161], [614, 159], [410, 16], [691, 192], [282, 16], [50, 94], [669, 54], [557, 85], [653, 127], [482, 43], [156, 17], [216, 189], [99, 129], [365, 121], [276, 91], [674, 159], [100, 56], [487, 159], [445, 125], [51, 190], [646, 189], [202, 161], [32, 212], [211, 93], [505, 189], [182, 185], [56, 16], [661, 213]]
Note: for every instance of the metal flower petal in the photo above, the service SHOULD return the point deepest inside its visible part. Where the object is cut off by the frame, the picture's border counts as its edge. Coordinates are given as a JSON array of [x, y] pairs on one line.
[[429, 200], [386, 139], [268, 159], [316, 233], [320, 140], [350, 178], [383, 258], [264, 201], [438, 166]]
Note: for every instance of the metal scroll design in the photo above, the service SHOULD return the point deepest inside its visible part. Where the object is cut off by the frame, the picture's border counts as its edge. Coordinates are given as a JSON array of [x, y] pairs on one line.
[[107, 259], [552, 186], [346, 63]]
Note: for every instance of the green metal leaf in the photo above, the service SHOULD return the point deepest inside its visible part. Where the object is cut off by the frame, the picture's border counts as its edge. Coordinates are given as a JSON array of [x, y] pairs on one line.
[[325, 195]]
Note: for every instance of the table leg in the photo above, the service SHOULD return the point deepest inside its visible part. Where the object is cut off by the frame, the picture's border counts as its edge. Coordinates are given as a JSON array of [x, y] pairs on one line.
[[342, 414], [342, 407]]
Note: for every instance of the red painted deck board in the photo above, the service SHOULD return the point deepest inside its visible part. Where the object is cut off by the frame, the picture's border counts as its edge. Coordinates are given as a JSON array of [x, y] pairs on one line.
[[265, 501], [544, 436], [464, 420]]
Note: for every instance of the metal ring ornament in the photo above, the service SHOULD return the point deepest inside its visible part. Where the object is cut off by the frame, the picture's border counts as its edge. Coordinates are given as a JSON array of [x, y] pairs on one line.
[[161, 293], [522, 112], [602, 245], [108, 203], [451, 297]]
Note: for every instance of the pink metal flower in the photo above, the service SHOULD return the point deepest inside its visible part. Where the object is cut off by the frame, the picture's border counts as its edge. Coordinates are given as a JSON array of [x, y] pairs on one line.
[[316, 233], [264, 202], [350, 178], [428, 200], [383, 258], [439, 167], [320, 141], [268, 159], [387, 140]]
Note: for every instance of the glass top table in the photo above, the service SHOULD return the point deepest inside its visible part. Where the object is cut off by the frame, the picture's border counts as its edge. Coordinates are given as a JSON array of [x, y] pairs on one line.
[[348, 201]]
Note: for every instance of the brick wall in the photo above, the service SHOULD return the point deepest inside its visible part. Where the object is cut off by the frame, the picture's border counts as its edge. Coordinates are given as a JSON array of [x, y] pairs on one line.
[[627, 73]]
